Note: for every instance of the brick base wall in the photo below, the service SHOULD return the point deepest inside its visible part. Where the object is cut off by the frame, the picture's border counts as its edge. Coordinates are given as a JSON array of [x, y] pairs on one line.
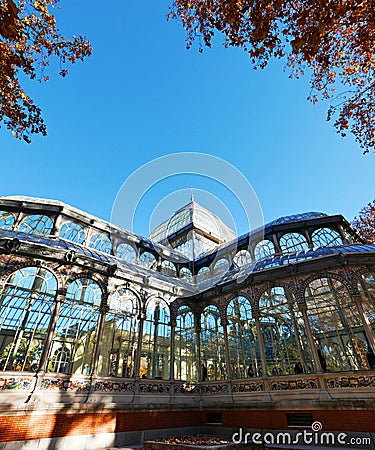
[[332, 420], [38, 426]]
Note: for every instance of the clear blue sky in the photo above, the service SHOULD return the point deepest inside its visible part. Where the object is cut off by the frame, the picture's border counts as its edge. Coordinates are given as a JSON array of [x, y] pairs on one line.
[[143, 95]]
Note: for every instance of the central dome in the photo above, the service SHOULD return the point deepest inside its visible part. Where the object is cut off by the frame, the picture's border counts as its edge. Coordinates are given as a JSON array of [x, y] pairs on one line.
[[192, 230]]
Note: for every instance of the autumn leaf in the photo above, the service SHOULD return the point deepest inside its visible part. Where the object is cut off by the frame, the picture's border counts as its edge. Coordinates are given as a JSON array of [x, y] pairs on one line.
[[333, 39], [28, 40]]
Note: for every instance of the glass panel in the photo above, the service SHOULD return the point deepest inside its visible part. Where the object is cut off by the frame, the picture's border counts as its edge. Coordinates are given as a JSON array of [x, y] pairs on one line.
[[221, 266], [6, 220], [27, 304], [36, 224], [126, 252], [168, 268], [73, 232], [285, 343], [243, 340], [156, 341], [212, 345], [293, 242], [185, 346], [186, 274], [147, 259], [336, 326], [120, 335], [366, 287], [203, 274], [101, 242], [76, 330], [242, 258], [325, 237], [264, 249]]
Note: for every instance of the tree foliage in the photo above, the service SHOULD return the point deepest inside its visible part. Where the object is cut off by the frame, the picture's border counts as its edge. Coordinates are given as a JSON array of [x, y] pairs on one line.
[[28, 40], [333, 39], [365, 222]]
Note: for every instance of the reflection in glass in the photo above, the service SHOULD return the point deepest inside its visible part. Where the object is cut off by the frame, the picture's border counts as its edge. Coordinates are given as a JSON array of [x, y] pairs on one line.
[[212, 345], [156, 341], [242, 340], [336, 326], [285, 342], [120, 335], [185, 346], [27, 304], [76, 330]]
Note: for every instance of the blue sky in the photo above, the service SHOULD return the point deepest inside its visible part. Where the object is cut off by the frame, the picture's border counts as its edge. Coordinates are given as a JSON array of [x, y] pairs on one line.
[[142, 95]]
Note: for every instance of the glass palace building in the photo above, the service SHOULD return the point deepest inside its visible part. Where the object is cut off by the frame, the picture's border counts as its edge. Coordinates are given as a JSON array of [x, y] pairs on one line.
[[104, 333]]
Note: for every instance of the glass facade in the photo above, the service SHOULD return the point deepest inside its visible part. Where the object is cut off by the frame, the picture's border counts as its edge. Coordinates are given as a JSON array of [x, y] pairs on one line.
[[165, 317]]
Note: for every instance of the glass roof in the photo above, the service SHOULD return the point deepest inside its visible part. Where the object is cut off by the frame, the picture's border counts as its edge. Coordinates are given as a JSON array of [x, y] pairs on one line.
[[291, 258], [296, 218], [56, 242], [197, 217], [237, 273]]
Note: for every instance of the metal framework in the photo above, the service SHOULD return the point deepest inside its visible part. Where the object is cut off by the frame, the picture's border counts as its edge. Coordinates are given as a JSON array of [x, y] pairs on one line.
[[287, 307]]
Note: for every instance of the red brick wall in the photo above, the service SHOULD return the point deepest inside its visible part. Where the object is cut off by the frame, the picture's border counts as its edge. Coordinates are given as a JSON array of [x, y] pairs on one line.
[[332, 420], [24, 427]]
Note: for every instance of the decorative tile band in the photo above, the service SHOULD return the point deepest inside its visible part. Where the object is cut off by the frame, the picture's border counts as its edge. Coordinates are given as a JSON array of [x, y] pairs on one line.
[[15, 383], [149, 388], [360, 381], [186, 388], [114, 386], [252, 386], [291, 385], [63, 384], [214, 388]]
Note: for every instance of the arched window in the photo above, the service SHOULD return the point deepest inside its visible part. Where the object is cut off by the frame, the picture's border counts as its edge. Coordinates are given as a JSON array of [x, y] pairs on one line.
[[36, 224], [242, 258], [168, 268], [243, 340], [285, 342], [221, 266], [120, 335], [148, 260], [326, 237], [185, 346], [101, 242], [212, 345], [156, 341], [73, 232], [293, 242], [186, 274], [76, 329], [203, 274], [27, 304], [126, 252], [6, 220], [264, 249], [336, 326]]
